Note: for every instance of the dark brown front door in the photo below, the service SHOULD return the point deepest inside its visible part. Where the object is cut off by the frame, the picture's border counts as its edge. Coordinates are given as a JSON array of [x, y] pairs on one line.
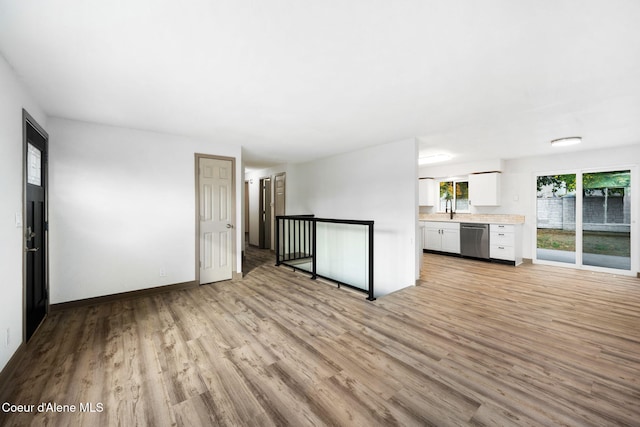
[[35, 227]]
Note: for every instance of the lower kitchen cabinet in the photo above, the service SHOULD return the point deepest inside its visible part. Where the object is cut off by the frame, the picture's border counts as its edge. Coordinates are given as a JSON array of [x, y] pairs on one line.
[[441, 236], [505, 242]]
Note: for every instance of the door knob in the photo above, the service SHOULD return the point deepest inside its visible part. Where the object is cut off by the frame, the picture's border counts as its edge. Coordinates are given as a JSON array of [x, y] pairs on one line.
[[31, 249], [229, 226]]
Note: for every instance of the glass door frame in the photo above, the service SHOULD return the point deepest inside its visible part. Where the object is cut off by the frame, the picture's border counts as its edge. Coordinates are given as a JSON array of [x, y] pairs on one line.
[[634, 244]]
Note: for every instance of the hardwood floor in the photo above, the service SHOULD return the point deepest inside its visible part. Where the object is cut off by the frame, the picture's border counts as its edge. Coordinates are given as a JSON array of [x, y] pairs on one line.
[[473, 344]]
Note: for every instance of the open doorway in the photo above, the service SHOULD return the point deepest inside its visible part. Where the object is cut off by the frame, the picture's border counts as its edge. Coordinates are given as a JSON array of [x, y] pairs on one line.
[[264, 210], [246, 214], [266, 200]]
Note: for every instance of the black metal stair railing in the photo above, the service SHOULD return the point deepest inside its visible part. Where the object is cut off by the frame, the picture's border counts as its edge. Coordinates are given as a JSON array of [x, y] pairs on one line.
[[296, 244]]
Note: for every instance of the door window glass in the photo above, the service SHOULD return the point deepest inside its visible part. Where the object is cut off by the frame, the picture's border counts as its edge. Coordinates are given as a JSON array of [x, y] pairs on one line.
[[34, 165]]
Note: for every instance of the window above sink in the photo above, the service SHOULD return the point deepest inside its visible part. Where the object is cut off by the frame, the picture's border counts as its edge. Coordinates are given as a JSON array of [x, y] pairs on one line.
[[453, 192]]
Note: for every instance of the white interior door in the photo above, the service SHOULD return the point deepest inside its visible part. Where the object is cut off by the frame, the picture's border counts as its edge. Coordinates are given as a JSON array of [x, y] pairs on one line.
[[215, 186], [278, 202], [280, 193]]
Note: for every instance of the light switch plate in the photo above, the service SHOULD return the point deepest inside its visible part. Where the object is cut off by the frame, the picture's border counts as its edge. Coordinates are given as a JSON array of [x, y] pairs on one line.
[[18, 220]]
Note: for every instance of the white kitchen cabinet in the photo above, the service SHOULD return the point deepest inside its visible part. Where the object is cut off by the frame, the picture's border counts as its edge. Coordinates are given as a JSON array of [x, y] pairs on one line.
[[505, 242], [451, 240], [442, 236], [426, 192], [432, 239], [484, 189]]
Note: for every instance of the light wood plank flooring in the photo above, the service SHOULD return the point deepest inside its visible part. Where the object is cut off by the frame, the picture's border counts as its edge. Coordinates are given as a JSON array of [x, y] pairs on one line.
[[473, 344]]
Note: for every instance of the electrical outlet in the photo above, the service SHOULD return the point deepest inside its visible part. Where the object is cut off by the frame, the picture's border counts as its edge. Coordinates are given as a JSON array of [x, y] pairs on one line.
[[7, 341], [163, 272]]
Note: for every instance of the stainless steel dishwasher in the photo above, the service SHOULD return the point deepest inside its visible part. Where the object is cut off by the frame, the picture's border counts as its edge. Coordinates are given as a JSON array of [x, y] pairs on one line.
[[474, 240]]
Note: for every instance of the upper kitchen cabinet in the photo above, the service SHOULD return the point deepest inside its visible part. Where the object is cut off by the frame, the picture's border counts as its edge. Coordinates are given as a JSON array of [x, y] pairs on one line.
[[484, 189], [426, 192]]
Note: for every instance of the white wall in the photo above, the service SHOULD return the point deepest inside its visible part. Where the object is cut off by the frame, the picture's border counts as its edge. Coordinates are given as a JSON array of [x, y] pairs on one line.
[[254, 177], [122, 207], [379, 184], [13, 99], [518, 181]]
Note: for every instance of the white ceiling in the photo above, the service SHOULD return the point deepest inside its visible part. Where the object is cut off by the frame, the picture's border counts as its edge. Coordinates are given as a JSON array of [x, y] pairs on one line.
[[294, 80]]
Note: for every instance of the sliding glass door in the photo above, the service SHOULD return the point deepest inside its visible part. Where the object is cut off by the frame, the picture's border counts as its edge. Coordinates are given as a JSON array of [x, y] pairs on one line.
[[606, 219], [584, 219], [556, 218]]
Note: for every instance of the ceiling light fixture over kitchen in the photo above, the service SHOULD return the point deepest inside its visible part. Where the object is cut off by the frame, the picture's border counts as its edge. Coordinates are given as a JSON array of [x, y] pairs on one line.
[[435, 158], [562, 142]]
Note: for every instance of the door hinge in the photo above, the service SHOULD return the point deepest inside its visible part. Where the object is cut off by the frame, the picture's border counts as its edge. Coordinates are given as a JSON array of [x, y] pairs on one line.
[[46, 226]]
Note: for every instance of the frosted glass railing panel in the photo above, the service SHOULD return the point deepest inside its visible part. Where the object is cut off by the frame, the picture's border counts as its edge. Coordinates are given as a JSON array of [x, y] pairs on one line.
[[339, 250], [342, 253]]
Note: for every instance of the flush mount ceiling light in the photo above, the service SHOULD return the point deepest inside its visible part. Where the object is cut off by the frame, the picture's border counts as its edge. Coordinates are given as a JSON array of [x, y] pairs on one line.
[[563, 142], [436, 158]]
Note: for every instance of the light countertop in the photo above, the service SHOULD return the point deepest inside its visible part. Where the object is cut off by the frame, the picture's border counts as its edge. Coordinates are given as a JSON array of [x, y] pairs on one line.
[[477, 218]]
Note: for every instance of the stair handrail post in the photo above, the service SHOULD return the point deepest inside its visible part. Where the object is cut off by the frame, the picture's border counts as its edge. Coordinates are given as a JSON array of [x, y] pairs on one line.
[[371, 297], [313, 249], [277, 241]]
